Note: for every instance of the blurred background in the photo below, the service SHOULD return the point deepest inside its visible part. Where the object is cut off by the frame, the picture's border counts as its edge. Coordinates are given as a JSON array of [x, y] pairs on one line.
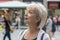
[[16, 14]]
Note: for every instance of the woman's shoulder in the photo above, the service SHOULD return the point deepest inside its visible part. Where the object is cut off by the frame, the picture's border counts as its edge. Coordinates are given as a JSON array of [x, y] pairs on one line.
[[20, 34], [45, 36]]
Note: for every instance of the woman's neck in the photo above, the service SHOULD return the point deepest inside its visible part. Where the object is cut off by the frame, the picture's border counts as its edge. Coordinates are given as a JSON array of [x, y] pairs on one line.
[[33, 29]]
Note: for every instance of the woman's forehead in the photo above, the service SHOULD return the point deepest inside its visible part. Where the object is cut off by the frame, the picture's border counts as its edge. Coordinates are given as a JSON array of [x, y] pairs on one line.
[[30, 8]]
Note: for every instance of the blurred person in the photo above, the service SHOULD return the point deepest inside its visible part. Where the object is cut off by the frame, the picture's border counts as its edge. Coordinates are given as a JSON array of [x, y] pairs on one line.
[[49, 26], [7, 27], [17, 21], [53, 26], [55, 19], [58, 23], [58, 20], [35, 16]]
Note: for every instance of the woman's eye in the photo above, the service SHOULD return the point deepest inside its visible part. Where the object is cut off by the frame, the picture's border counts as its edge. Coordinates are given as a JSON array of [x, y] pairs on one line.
[[30, 12]]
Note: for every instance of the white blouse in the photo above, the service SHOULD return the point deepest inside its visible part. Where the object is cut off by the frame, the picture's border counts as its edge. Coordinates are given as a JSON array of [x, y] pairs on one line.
[[45, 37]]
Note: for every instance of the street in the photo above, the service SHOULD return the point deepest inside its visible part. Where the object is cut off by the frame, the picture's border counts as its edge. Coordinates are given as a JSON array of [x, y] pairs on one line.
[[16, 31], [13, 35]]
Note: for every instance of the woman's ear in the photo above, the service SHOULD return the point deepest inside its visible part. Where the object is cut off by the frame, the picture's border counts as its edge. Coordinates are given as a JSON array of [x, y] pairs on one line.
[[38, 19]]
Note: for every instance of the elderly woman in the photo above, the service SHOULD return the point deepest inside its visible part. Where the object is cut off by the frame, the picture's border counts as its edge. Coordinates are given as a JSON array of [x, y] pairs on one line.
[[35, 16]]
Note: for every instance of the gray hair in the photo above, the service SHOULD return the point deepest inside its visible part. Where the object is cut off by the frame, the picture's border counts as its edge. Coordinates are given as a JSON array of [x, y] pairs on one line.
[[41, 12]]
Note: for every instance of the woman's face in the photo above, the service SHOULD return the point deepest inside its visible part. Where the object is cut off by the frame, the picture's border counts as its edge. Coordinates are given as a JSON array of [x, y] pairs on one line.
[[30, 16]]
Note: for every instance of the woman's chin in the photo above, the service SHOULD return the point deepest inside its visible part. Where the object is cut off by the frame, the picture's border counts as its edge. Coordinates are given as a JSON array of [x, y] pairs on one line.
[[25, 21]]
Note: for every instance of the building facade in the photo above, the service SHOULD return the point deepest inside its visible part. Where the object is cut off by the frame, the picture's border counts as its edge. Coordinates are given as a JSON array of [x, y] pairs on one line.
[[54, 5]]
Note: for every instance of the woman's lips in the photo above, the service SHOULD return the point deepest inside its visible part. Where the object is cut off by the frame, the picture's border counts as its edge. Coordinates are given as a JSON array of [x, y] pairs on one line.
[[25, 18]]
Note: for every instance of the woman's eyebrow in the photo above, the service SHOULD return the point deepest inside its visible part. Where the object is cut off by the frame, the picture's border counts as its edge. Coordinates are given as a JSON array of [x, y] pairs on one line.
[[30, 11]]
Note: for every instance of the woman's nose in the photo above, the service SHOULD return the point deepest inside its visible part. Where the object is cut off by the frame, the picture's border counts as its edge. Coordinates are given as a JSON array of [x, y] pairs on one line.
[[25, 14]]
